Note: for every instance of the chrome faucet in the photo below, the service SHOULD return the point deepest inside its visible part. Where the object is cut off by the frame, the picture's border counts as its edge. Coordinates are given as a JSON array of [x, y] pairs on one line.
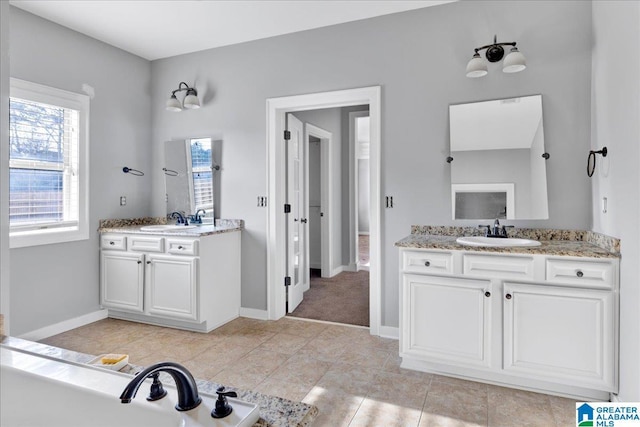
[[180, 218], [187, 389]]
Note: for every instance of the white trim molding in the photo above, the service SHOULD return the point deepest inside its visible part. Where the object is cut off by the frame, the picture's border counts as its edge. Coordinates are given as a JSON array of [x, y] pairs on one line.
[[254, 313], [390, 332], [64, 326], [276, 230]]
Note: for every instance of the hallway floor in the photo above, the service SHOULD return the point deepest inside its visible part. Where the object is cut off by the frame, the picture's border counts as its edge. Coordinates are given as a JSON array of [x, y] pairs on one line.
[[352, 377]]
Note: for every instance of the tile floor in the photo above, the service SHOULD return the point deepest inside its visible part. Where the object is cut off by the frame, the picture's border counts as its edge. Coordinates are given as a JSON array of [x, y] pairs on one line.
[[353, 378]]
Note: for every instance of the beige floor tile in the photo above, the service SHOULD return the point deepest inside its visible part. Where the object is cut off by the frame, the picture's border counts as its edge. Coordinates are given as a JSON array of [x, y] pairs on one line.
[[352, 379], [285, 389], [284, 343], [393, 365], [214, 360], [301, 370], [399, 389], [323, 348], [364, 357], [374, 412], [454, 405], [509, 407], [564, 411], [250, 338], [460, 382], [260, 362], [335, 408]]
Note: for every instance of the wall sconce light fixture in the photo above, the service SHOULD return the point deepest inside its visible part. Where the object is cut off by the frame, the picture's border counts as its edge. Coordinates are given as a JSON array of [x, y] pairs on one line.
[[513, 63], [190, 102]]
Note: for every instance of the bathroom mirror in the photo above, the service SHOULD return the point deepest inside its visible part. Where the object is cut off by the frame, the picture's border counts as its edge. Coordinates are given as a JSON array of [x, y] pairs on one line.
[[499, 163], [189, 176]]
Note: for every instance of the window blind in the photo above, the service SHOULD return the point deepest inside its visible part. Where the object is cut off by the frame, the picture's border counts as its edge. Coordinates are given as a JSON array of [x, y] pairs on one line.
[[43, 165]]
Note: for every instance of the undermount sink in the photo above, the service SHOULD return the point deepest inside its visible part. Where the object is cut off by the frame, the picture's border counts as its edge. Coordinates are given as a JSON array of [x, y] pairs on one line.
[[496, 242], [167, 227]]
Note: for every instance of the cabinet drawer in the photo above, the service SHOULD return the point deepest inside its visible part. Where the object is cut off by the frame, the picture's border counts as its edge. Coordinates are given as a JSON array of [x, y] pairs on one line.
[[585, 274], [146, 244], [427, 262], [182, 247], [498, 266], [114, 243]]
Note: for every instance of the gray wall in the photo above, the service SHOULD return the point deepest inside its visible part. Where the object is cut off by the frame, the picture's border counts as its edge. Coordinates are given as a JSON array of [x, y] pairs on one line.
[[419, 80], [52, 283], [4, 163], [615, 112]]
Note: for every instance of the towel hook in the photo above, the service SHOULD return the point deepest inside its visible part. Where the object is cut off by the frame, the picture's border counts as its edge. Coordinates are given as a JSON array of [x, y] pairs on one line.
[[134, 172]]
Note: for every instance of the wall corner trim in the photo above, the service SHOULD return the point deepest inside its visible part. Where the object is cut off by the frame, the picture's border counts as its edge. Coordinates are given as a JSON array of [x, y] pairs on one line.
[[254, 313], [390, 332]]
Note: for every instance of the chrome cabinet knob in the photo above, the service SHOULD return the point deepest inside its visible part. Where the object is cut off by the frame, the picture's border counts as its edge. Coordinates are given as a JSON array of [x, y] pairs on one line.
[[427, 263], [579, 273], [487, 294], [508, 296], [112, 243]]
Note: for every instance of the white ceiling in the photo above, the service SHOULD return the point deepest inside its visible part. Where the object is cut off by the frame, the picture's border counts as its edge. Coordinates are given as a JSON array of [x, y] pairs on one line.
[[160, 29]]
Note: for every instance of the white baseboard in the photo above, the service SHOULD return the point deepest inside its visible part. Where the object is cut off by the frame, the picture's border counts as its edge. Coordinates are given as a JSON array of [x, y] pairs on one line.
[[389, 332], [254, 313], [64, 326], [363, 233]]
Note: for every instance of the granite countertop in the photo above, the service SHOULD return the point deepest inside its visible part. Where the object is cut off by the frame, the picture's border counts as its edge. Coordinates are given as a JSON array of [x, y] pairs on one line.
[[575, 243], [134, 226], [274, 411]]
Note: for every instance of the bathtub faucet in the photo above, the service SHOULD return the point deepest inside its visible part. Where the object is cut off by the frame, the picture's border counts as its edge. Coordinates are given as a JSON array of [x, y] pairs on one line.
[[187, 389]]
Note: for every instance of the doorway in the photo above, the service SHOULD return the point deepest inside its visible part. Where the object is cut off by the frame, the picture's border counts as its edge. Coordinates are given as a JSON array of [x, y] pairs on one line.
[[276, 175]]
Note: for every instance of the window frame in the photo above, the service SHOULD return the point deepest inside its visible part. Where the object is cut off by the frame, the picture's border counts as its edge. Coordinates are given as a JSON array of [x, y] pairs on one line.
[[34, 92]]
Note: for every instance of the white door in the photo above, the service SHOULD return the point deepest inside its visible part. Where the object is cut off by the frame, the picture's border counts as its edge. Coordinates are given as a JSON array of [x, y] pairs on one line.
[[563, 334], [172, 286], [447, 319], [122, 281], [297, 219]]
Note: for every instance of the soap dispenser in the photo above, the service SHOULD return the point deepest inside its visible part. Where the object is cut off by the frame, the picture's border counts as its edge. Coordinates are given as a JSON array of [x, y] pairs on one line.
[[223, 408]]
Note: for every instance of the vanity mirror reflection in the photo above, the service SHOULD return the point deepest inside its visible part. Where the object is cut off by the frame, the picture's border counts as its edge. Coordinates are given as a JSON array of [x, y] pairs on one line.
[[189, 176], [498, 166]]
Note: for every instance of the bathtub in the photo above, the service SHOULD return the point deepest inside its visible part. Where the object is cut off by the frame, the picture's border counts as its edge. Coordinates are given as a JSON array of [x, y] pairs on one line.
[[39, 391]]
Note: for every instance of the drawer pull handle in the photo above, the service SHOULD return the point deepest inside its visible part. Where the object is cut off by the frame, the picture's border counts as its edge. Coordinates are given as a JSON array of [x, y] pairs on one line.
[[508, 296], [139, 262], [427, 263], [180, 247], [579, 273], [148, 262], [487, 294], [112, 243]]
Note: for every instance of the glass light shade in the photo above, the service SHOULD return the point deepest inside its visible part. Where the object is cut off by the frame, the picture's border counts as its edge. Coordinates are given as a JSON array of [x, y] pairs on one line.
[[514, 62], [191, 101], [477, 67], [173, 104]]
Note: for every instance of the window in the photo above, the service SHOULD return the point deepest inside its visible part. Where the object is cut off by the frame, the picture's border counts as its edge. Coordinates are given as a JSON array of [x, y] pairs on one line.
[[48, 165], [202, 173]]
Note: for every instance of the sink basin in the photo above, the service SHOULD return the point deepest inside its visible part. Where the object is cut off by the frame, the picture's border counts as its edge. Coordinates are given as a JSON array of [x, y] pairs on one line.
[[496, 242], [167, 227]]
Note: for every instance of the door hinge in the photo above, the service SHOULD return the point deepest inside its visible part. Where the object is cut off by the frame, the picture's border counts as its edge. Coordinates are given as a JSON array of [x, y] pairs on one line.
[[287, 135], [287, 280], [287, 208]]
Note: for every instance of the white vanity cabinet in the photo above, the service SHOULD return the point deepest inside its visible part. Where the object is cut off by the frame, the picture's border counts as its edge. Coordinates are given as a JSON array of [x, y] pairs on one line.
[[540, 322], [185, 282]]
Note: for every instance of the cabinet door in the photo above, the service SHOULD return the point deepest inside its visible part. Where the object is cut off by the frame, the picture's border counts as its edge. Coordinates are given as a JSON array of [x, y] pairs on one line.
[[122, 281], [564, 334], [447, 319], [172, 286]]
